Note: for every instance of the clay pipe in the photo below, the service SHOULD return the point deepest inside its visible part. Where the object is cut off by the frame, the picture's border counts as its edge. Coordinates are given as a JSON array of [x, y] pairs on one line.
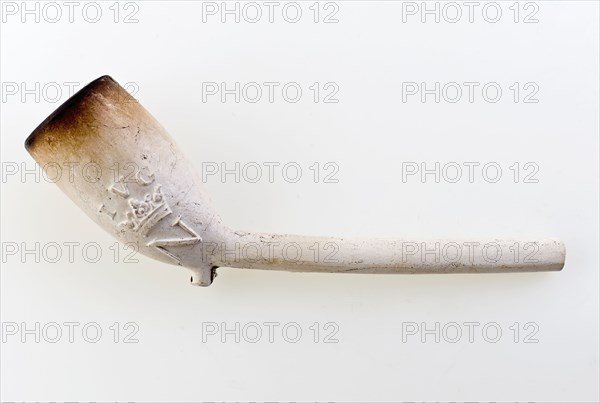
[[128, 175]]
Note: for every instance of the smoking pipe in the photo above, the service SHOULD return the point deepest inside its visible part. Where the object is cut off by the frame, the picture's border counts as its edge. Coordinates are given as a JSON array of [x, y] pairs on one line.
[[128, 175]]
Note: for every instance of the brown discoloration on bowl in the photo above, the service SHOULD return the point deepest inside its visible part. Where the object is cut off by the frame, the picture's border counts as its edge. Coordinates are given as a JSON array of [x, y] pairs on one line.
[[73, 127], [65, 117]]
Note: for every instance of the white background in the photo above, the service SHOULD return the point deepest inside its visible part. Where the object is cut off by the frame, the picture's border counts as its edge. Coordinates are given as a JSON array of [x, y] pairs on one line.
[[167, 56]]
